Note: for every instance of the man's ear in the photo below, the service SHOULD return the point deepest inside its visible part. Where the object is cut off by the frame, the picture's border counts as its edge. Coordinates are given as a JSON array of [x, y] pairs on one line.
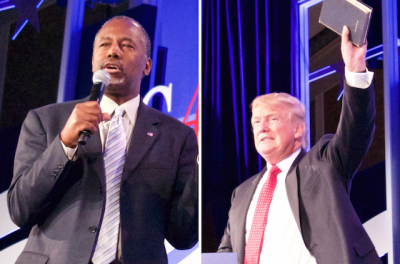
[[147, 67], [299, 130], [92, 63]]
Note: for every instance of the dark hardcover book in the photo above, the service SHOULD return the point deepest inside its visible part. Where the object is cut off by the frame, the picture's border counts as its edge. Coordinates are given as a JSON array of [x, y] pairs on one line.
[[355, 15]]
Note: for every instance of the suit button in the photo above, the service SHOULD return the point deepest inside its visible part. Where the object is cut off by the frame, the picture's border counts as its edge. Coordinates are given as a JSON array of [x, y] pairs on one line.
[[313, 247], [93, 229], [100, 191]]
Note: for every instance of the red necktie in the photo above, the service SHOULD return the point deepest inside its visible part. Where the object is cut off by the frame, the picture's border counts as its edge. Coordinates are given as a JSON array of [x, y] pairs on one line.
[[254, 244]]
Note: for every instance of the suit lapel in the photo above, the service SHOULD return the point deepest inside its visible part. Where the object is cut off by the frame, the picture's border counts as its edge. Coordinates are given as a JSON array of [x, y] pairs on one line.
[[144, 134], [93, 153], [292, 188], [246, 199], [94, 156]]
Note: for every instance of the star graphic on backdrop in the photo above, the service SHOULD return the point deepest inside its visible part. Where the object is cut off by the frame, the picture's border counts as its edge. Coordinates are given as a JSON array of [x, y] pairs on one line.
[[26, 10]]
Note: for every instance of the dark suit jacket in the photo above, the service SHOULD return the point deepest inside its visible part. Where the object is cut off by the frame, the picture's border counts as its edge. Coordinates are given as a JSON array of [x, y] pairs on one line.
[[318, 189], [63, 200]]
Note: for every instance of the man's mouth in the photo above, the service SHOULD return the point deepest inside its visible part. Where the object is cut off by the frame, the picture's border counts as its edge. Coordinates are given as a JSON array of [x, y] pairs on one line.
[[112, 67]]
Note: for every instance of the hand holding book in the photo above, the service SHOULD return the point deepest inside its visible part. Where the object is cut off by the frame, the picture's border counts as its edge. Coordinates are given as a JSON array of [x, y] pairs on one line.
[[355, 15], [353, 57]]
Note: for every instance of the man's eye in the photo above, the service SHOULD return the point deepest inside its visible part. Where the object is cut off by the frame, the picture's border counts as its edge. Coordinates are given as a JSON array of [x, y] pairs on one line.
[[127, 45], [103, 44]]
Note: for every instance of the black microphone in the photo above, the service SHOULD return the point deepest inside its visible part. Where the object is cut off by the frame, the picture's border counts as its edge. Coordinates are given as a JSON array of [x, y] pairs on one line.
[[100, 80]]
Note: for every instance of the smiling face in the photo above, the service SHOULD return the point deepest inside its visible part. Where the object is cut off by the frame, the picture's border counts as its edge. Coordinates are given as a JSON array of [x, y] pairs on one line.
[[276, 136], [119, 49]]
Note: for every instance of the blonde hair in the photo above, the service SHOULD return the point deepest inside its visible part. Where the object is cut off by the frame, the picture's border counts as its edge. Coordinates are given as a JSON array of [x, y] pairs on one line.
[[296, 113]]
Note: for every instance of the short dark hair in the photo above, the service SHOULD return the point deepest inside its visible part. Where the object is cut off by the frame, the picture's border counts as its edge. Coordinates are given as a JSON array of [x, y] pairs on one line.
[[146, 39]]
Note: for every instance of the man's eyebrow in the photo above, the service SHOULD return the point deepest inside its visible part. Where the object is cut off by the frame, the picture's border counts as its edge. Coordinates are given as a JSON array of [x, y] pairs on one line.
[[104, 38], [269, 115], [128, 39]]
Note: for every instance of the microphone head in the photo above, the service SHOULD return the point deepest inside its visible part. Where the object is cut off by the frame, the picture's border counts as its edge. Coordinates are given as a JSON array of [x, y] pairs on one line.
[[101, 76]]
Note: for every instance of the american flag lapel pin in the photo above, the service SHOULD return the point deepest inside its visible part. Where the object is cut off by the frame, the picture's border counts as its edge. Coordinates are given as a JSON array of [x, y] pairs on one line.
[[150, 134]]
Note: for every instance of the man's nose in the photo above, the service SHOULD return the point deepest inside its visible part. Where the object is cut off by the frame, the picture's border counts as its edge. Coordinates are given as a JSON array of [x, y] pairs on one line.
[[114, 51], [264, 126]]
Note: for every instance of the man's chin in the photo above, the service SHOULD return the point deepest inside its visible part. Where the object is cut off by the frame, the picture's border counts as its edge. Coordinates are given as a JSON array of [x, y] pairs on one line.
[[116, 81], [265, 151]]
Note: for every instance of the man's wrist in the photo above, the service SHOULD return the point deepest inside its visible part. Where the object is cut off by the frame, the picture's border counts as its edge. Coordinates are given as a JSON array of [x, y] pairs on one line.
[[359, 79], [69, 151]]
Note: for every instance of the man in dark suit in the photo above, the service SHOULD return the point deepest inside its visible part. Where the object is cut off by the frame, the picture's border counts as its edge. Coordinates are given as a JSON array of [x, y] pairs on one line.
[[298, 209], [59, 188]]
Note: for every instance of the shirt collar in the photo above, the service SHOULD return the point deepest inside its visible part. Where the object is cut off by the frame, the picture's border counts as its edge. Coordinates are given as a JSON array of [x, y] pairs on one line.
[[107, 105]]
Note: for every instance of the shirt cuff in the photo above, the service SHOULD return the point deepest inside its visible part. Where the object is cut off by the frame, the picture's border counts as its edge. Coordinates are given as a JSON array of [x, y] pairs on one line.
[[358, 79], [69, 152]]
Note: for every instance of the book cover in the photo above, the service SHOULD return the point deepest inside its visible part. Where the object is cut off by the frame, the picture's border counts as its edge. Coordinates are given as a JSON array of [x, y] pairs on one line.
[[355, 15]]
